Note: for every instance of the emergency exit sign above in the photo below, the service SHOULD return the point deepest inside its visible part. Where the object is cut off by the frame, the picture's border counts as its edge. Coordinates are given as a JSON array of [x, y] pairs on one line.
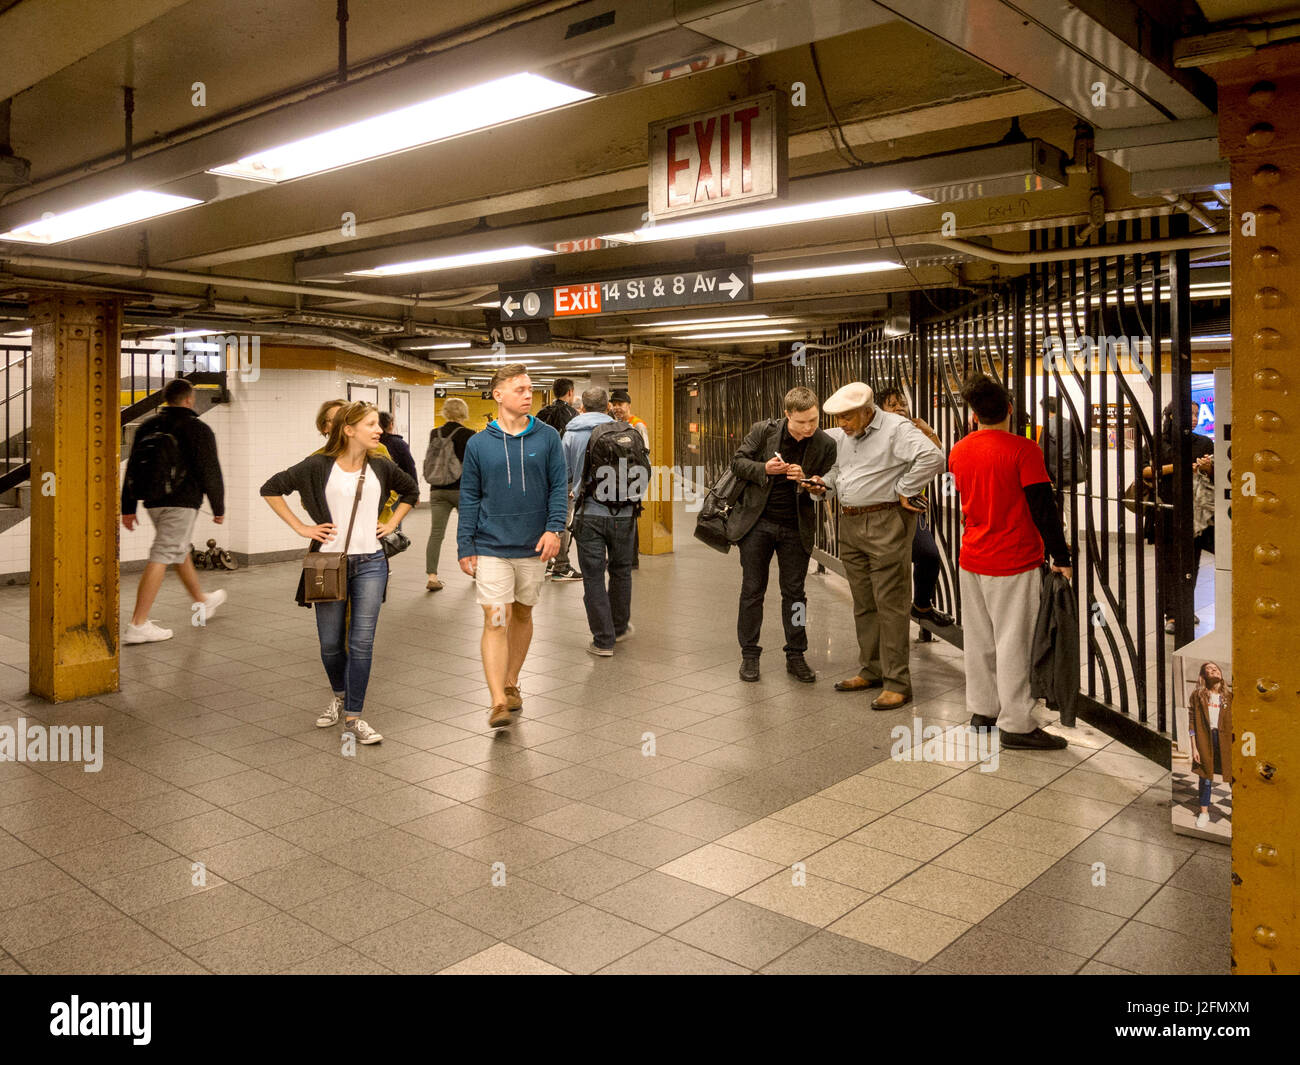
[[727, 157]]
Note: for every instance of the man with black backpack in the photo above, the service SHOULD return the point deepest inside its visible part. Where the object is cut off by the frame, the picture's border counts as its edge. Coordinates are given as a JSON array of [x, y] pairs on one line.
[[173, 465], [609, 473], [443, 462]]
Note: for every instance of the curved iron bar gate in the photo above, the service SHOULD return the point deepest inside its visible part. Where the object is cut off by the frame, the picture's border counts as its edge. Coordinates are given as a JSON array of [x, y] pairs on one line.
[[1109, 337]]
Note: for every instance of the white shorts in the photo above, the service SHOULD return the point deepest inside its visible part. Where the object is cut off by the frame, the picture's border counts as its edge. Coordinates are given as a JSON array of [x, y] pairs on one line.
[[509, 580]]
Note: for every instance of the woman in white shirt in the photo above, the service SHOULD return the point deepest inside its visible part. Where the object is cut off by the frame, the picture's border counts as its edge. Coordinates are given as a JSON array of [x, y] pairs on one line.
[[1209, 729], [327, 484]]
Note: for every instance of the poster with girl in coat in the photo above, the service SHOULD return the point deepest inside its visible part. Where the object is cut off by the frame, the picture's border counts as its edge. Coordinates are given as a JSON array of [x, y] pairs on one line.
[[1202, 762]]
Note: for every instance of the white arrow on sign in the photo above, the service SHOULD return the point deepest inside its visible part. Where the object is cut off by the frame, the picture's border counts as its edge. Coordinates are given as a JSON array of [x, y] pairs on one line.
[[510, 305], [734, 285]]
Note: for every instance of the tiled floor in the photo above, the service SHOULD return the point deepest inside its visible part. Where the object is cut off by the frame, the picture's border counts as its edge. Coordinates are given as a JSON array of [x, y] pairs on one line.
[[649, 813]]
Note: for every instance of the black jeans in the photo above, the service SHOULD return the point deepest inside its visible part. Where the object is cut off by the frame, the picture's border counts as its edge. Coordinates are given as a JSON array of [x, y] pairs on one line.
[[604, 541], [925, 564], [756, 549]]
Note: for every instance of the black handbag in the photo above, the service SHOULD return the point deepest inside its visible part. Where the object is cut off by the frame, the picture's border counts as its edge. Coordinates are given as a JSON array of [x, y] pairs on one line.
[[719, 502], [394, 543]]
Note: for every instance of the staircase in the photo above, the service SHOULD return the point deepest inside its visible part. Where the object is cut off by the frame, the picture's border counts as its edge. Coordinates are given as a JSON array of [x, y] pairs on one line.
[[140, 393]]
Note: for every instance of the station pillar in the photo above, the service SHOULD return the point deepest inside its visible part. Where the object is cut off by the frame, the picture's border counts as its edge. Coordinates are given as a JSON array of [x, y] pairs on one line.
[[650, 383], [75, 448], [1259, 132]]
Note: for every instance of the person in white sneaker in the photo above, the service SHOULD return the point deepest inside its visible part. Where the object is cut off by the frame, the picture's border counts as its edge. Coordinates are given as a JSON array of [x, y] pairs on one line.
[[173, 465], [1209, 732], [327, 484]]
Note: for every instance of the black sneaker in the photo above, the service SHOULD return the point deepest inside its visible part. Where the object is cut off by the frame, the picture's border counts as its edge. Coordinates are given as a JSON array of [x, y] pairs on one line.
[[795, 665], [749, 669], [983, 721], [1038, 740], [565, 575]]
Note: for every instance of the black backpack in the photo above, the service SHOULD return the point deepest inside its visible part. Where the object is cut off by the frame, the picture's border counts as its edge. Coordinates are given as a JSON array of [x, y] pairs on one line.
[[156, 467], [557, 415], [616, 471]]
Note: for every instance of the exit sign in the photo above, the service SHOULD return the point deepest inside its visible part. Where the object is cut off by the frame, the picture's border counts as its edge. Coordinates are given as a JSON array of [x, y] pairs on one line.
[[730, 156]]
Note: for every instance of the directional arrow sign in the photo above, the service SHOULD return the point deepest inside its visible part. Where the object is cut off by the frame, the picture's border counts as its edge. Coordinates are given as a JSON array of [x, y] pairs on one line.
[[688, 288]]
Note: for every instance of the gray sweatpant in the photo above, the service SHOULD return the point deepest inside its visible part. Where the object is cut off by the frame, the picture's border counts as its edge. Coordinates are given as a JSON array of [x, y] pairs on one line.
[[997, 620]]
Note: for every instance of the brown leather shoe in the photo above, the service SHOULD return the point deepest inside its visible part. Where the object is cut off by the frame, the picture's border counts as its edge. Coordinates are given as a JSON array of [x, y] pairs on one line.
[[856, 684], [514, 698], [890, 701], [500, 716]]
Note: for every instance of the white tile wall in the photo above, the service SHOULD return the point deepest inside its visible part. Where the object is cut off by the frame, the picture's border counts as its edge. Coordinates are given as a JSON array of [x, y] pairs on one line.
[[268, 426]]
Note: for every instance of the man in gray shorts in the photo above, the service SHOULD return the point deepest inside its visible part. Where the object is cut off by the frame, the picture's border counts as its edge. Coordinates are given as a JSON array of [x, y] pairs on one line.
[[173, 465]]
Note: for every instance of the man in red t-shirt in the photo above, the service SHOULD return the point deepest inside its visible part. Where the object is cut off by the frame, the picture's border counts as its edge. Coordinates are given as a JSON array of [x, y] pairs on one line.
[[1009, 514]]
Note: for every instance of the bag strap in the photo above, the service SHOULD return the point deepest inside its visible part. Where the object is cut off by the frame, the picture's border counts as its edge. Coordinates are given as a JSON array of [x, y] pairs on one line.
[[355, 502]]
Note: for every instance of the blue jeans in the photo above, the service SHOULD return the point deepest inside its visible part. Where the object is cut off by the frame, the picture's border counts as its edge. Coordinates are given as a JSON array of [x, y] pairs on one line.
[[1207, 784], [603, 541], [347, 643]]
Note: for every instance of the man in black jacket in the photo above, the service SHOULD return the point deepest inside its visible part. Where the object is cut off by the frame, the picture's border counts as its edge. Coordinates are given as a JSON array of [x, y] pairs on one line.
[[776, 515], [171, 474], [397, 446], [558, 415]]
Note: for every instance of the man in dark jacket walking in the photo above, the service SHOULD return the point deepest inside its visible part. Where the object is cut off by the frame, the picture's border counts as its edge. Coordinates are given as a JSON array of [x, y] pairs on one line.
[[558, 415], [173, 465], [1010, 518], [776, 515], [397, 446]]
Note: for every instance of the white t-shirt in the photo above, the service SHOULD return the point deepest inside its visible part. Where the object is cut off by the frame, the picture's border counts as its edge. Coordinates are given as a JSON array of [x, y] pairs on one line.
[[340, 491], [1213, 700]]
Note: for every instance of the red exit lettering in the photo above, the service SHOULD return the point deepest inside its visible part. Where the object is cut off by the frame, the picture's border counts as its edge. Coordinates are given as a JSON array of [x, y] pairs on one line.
[[577, 299], [705, 152]]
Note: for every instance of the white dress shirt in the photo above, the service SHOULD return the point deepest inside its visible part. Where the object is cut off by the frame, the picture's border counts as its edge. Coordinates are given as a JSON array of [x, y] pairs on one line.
[[890, 458], [340, 491]]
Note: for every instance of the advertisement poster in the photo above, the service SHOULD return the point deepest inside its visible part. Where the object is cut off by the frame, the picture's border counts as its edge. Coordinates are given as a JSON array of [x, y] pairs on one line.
[[1202, 757]]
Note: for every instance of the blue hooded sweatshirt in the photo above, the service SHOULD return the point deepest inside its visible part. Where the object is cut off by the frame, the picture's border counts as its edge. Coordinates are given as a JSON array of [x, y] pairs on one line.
[[512, 490]]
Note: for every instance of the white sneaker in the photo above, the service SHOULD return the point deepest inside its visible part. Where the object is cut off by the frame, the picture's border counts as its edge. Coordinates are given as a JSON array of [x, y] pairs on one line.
[[629, 631], [331, 714], [213, 600], [1202, 820], [364, 733], [146, 633]]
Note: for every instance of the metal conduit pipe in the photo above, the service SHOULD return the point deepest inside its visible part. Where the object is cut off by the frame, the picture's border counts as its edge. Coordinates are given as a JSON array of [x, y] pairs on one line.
[[150, 273], [1092, 251]]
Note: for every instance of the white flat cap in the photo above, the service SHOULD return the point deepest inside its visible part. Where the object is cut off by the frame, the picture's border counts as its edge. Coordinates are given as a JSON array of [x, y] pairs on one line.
[[850, 397]]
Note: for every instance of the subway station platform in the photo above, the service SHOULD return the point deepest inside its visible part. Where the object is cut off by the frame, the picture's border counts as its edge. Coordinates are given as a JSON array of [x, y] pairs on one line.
[[613, 860]]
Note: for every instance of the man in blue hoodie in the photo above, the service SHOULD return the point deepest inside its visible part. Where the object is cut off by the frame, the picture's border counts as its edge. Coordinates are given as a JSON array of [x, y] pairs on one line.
[[508, 530], [603, 536]]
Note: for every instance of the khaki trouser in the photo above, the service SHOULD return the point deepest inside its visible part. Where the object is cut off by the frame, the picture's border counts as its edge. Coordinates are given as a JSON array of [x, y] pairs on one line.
[[997, 619], [876, 550]]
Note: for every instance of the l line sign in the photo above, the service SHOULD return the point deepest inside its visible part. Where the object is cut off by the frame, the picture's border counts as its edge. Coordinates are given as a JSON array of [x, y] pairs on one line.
[[691, 288]]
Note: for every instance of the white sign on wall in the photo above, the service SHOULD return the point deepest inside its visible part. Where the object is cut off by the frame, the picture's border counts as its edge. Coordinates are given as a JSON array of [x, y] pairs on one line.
[[729, 156]]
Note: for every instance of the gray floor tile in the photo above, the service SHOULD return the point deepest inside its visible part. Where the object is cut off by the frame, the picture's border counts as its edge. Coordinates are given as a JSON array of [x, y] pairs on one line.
[[745, 934]]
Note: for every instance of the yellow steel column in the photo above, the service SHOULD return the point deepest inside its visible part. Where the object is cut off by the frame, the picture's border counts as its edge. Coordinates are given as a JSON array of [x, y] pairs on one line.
[[1259, 131], [650, 382], [76, 369]]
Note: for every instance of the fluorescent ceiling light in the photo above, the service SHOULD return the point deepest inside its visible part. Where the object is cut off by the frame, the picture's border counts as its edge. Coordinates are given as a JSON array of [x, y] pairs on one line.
[[20, 333], [705, 321], [439, 347], [760, 217], [489, 303], [452, 262], [408, 127], [97, 217], [722, 336], [192, 333], [826, 271]]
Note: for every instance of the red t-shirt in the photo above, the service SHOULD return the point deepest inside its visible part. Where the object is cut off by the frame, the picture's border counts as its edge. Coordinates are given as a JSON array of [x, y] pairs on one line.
[[992, 469]]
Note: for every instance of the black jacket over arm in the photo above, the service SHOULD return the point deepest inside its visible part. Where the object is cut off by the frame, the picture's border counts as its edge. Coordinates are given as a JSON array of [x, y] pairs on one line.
[[761, 443], [198, 447], [309, 477]]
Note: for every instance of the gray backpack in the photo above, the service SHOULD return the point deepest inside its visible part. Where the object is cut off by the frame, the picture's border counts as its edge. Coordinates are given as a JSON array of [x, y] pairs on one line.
[[441, 466]]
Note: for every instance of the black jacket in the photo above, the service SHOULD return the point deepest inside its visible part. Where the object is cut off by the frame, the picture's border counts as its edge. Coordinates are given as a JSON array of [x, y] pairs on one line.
[[309, 477], [762, 442], [401, 452], [1054, 654], [198, 447], [557, 415]]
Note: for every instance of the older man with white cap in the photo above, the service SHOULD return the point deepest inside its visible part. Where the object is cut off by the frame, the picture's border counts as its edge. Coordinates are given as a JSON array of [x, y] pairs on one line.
[[883, 463]]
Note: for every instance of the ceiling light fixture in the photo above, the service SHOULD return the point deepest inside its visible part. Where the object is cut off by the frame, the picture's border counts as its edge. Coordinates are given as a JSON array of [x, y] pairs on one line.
[[452, 262], [434, 120], [723, 336], [439, 347], [762, 217], [684, 322], [826, 271], [97, 217]]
